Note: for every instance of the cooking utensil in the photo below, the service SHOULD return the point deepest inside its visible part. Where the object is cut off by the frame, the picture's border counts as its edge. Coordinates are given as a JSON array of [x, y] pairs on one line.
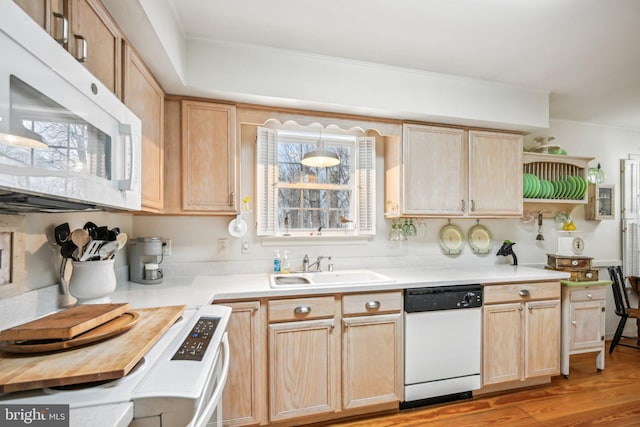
[[92, 250], [108, 250], [539, 236], [61, 233], [122, 240], [90, 227], [80, 237]]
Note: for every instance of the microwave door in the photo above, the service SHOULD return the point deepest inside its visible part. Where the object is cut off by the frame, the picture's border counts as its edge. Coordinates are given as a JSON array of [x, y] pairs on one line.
[[77, 150]]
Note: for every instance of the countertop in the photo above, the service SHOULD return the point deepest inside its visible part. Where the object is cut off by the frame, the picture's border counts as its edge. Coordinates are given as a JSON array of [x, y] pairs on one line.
[[207, 289]]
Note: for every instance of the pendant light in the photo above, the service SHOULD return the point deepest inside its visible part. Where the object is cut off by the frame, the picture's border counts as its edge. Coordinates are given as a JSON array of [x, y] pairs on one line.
[[320, 158]]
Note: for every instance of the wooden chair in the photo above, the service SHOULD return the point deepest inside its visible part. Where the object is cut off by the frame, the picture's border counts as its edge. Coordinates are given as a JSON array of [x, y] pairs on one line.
[[623, 309]]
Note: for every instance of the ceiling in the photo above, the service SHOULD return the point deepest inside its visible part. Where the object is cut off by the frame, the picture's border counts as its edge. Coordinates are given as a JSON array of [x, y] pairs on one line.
[[584, 52]]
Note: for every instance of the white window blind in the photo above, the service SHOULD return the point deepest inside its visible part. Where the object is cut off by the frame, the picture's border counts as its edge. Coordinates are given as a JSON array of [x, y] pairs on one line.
[[267, 173]]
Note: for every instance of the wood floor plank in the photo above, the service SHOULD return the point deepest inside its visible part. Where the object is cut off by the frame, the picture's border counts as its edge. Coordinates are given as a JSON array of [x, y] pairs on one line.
[[610, 398]]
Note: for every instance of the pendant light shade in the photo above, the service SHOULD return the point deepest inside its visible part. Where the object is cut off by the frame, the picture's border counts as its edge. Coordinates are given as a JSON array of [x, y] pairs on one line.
[[320, 158]]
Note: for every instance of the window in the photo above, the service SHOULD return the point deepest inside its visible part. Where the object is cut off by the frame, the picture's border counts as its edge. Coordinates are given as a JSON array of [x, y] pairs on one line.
[[297, 200]]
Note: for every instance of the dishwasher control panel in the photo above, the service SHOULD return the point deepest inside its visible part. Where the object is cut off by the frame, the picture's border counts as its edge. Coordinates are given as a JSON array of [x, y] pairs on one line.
[[195, 345], [442, 298]]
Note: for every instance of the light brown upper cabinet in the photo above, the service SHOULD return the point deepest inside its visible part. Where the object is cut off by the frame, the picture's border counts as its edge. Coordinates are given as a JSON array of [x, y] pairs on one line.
[[86, 30], [444, 172], [144, 96], [201, 158]]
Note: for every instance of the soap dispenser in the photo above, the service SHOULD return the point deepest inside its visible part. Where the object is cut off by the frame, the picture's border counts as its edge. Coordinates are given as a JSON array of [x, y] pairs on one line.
[[285, 267], [276, 263]]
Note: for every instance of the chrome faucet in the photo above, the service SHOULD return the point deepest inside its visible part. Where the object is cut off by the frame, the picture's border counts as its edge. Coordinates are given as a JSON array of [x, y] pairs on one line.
[[307, 267]]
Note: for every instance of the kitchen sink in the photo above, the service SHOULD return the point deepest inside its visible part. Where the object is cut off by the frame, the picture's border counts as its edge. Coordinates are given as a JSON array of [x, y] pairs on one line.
[[289, 280], [328, 278]]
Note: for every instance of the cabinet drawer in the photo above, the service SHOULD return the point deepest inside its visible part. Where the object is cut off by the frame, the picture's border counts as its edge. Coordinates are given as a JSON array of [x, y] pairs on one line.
[[372, 303], [588, 293], [301, 309], [521, 292]]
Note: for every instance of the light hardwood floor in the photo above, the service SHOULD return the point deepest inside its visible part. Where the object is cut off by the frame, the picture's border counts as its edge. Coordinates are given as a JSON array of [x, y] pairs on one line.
[[586, 398]]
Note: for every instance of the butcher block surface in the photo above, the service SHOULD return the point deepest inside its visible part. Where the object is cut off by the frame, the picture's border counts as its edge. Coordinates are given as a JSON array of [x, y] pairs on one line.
[[106, 360], [65, 324]]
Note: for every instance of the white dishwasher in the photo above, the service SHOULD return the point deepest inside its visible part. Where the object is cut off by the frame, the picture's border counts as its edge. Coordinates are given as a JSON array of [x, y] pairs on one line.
[[443, 327]]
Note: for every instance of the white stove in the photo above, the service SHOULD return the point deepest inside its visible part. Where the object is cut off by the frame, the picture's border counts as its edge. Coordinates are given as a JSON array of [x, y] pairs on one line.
[[179, 381]]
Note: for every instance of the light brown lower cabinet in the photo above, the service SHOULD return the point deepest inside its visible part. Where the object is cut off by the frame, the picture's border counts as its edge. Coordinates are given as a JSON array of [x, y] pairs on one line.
[[371, 360], [304, 369], [521, 332], [309, 359]]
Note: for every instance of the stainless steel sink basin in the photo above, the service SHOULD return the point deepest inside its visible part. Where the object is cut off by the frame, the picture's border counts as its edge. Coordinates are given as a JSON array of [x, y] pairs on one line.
[[328, 278], [290, 279]]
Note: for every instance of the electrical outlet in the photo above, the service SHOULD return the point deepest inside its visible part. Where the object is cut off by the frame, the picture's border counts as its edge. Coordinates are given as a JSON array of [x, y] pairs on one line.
[[166, 247], [223, 246], [244, 247]]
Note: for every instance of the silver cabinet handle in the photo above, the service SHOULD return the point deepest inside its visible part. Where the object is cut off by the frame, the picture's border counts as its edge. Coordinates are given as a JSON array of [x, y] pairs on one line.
[[83, 49], [303, 309], [574, 262], [462, 204], [473, 205], [589, 296], [520, 308], [524, 292], [372, 305], [64, 38]]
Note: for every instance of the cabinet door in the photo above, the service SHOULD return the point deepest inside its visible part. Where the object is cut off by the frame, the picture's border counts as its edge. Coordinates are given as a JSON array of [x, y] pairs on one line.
[[95, 41], [495, 174], [304, 369], [208, 157], [244, 399], [371, 360], [502, 343], [143, 95], [434, 171], [542, 344], [587, 324], [49, 14]]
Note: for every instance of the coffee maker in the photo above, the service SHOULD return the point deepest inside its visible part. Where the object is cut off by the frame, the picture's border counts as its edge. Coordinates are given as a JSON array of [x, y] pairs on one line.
[[145, 255]]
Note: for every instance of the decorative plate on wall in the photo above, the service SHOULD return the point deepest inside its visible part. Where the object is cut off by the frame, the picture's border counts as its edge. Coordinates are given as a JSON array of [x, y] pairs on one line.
[[480, 239], [451, 239]]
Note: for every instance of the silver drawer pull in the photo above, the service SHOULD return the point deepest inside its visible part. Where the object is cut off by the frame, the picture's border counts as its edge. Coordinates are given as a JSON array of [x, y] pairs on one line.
[[574, 262], [303, 309], [524, 293], [371, 305], [589, 296]]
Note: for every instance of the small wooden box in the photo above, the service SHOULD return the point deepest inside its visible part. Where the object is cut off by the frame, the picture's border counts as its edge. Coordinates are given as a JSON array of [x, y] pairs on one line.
[[578, 276], [571, 263]]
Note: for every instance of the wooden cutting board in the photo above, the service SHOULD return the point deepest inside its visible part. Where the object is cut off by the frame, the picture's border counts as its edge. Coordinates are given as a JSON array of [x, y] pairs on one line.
[[65, 324], [106, 360]]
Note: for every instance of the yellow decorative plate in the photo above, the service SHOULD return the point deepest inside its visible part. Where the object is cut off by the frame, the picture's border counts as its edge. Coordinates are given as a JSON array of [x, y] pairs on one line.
[[451, 239], [480, 239]]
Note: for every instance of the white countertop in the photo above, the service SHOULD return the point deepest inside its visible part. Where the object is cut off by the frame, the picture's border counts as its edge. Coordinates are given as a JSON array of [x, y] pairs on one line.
[[206, 289]]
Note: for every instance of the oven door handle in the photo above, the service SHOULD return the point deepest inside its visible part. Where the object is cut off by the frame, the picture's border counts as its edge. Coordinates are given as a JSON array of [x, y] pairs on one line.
[[217, 393]]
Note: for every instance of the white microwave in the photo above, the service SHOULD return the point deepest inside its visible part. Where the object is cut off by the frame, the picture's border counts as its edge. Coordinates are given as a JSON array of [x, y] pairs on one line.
[[66, 141]]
